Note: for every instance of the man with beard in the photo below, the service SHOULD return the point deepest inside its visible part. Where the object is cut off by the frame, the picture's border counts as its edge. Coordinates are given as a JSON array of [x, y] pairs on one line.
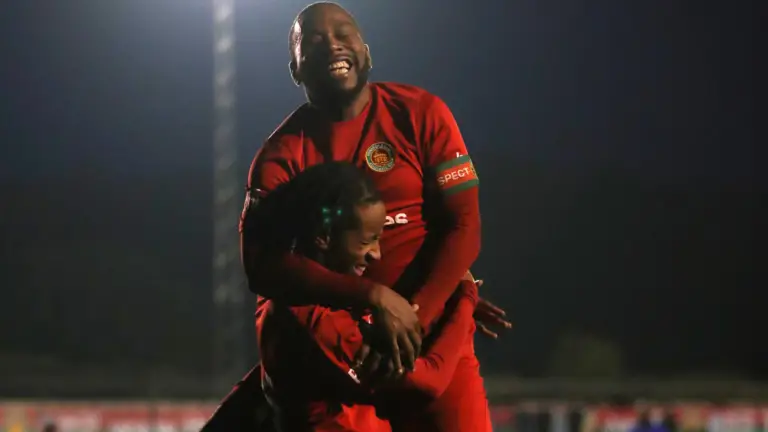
[[410, 144]]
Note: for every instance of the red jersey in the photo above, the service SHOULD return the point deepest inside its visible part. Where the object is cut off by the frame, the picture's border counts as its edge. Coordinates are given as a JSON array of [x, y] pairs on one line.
[[307, 355], [410, 144]]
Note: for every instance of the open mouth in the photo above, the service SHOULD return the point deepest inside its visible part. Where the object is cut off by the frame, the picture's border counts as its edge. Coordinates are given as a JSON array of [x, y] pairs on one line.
[[340, 68], [359, 269]]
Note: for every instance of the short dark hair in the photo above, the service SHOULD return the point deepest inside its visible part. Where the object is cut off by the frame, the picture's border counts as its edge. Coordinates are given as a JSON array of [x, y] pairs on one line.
[[320, 200], [293, 38]]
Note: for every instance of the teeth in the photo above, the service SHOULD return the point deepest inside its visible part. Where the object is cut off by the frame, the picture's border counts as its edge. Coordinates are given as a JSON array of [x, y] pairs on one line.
[[339, 65]]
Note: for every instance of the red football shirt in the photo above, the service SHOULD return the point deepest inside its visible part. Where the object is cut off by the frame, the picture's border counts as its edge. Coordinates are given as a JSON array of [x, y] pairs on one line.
[[307, 354], [334, 338], [410, 144]]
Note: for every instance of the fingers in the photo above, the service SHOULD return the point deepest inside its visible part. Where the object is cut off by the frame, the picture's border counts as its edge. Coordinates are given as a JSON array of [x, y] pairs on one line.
[[496, 320], [491, 319], [392, 371], [415, 337], [372, 364], [489, 307], [407, 350], [362, 355], [395, 351], [487, 332]]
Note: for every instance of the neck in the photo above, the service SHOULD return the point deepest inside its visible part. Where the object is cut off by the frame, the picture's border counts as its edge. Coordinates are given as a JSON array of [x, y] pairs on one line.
[[341, 110]]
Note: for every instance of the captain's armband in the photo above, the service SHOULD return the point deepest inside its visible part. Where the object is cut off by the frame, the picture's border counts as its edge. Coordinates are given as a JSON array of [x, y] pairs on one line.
[[456, 175]]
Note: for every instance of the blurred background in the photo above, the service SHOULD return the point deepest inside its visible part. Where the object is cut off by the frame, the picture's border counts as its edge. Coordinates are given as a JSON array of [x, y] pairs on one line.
[[616, 143]]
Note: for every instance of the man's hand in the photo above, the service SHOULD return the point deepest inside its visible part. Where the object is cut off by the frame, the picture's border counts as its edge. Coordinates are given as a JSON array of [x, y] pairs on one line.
[[372, 366], [396, 324], [487, 316]]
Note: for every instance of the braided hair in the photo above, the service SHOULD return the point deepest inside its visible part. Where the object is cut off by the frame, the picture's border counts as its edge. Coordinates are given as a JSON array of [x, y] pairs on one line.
[[319, 201]]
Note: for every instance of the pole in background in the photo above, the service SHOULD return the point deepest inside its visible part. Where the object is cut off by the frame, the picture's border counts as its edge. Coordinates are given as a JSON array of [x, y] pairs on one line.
[[231, 319]]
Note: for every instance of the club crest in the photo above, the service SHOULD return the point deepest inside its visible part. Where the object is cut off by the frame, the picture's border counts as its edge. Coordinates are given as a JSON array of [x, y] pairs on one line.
[[380, 157]]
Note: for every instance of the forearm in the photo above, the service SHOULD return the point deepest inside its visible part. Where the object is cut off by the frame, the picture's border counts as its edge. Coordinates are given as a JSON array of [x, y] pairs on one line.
[[337, 335], [454, 175], [272, 271], [292, 279], [458, 251]]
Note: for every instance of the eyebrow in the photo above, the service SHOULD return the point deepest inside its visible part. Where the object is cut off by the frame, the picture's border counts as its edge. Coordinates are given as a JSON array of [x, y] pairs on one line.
[[317, 31]]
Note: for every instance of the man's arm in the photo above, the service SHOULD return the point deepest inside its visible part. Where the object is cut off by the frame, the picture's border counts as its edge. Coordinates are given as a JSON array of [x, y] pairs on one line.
[[290, 278], [338, 336], [434, 371], [445, 156], [303, 281]]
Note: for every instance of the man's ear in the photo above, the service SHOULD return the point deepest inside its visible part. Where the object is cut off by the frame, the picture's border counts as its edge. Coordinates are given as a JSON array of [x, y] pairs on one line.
[[368, 58], [323, 242], [294, 73]]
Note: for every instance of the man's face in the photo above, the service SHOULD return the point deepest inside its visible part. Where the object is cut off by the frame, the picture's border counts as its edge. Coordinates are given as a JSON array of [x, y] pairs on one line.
[[330, 58], [352, 250]]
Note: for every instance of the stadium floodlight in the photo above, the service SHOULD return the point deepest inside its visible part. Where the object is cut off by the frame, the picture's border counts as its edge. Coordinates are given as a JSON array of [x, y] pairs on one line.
[[231, 317]]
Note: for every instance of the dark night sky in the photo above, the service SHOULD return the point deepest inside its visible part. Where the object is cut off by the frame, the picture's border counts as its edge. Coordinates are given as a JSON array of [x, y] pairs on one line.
[[615, 141]]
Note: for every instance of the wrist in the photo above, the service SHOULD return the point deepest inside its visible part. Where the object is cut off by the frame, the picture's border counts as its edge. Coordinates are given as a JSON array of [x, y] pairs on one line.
[[468, 290], [374, 294]]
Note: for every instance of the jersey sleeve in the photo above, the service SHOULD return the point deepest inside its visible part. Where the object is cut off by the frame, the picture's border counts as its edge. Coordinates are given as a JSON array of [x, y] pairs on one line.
[[434, 371], [336, 333], [447, 161], [289, 278]]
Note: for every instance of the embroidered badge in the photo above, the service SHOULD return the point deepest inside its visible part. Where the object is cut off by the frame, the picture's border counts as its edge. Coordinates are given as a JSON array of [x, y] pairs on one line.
[[380, 157]]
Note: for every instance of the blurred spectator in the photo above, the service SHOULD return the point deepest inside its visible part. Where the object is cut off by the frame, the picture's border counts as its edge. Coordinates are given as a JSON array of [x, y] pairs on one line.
[[50, 427], [669, 422], [644, 424]]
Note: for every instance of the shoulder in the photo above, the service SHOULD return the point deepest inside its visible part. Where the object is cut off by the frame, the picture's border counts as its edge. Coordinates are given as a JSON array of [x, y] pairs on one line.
[[288, 133], [422, 106], [406, 95], [275, 161]]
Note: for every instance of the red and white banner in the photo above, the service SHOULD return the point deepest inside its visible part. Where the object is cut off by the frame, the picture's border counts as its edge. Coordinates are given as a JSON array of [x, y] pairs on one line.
[[97, 417], [189, 417], [687, 417]]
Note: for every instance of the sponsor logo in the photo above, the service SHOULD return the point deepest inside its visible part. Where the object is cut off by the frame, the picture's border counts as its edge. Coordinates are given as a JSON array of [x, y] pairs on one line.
[[457, 175], [398, 219], [380, 157]]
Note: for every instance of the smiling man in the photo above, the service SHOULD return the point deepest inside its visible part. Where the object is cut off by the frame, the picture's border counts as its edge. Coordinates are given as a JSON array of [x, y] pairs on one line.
[[410, 144]]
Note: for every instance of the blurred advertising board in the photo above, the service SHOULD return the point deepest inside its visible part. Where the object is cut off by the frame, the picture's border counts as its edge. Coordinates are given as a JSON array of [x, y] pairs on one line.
[[99, 417], [522, 417], [689, 417]]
